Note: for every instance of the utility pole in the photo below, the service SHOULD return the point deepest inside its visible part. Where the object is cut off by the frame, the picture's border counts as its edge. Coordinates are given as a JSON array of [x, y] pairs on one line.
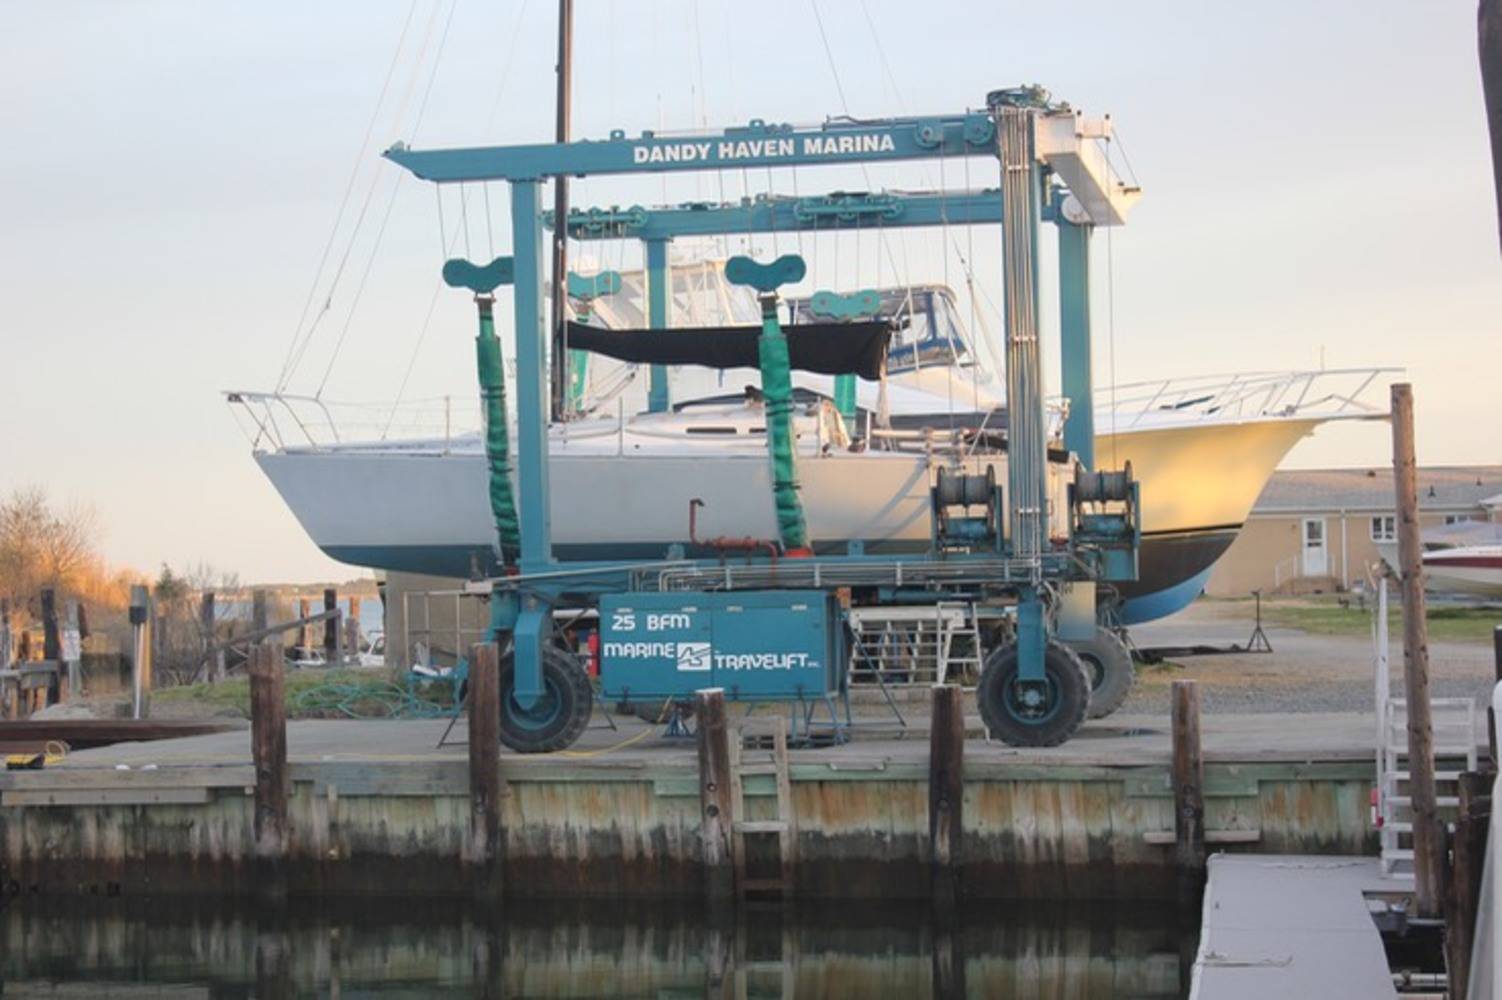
[[1428, 839], [559, 379]]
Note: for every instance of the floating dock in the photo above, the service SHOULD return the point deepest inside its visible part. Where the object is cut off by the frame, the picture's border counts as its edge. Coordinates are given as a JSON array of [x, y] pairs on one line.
[[378, 808], [1295, 927]]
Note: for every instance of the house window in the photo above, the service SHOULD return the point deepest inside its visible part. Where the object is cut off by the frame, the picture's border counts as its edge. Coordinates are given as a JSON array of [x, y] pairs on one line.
[[1384, 528], [1458, 518]]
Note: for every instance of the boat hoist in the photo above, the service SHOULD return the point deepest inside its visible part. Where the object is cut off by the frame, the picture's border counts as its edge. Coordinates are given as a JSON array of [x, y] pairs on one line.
[[770, 625]]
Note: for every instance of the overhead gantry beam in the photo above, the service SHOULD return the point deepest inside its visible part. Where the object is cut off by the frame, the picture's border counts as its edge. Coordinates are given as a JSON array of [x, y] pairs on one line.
[[758, 144]]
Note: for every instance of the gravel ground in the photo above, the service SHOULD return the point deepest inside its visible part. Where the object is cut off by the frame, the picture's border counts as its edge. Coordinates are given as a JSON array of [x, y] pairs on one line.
[[1304, 673]]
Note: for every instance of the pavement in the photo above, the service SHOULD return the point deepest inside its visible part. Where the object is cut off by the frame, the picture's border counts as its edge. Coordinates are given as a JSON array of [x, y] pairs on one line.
[[1123, 740], [1303, 673]]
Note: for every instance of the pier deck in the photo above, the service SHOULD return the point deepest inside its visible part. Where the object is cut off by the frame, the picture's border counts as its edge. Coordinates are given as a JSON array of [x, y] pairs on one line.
[[378, 807], [1294, 927]]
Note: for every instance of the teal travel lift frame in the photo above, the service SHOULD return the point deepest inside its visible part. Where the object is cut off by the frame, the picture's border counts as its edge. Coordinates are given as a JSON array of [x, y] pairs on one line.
[[770, 628]]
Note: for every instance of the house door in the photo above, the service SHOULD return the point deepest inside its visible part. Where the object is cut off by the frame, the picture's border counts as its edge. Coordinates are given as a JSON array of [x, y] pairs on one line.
[[1316, 555]]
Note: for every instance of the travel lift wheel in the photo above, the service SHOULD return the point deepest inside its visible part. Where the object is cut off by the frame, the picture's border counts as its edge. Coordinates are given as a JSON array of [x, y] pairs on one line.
[[558, 717], [1040, 713], [1109, 664]]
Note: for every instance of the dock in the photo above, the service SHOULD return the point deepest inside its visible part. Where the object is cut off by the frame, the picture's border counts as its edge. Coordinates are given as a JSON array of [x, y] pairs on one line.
[[379, 808], [1295, 926]]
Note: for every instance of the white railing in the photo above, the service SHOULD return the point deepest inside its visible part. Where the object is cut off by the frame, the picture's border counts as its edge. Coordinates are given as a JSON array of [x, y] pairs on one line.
[[277, 420], [1325, 392]]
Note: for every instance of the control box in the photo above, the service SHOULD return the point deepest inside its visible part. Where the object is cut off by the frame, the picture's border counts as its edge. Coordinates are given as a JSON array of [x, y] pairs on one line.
[[759, 645]]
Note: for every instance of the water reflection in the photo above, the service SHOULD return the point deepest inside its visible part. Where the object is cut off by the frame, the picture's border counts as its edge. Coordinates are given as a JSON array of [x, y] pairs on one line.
[[140, 947]]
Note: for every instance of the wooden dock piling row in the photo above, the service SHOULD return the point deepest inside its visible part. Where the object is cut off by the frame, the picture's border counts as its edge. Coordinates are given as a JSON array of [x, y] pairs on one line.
[[485, 834], [946, 790], [1428, 835], [268, 743], [716, 810], [1188, 793]]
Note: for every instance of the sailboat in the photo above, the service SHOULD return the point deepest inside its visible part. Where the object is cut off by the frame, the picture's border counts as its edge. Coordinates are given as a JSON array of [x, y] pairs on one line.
[[684, 479]]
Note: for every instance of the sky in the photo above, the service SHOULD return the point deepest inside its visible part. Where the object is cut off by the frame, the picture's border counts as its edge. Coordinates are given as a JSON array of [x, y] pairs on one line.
[[1316, 178]]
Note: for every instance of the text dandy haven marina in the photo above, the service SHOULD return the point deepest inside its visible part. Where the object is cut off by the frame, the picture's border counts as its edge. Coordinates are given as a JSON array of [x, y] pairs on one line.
[[759, 149]]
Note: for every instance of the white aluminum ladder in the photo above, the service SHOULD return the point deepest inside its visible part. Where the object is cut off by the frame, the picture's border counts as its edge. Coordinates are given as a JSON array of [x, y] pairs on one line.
[[1454, 728]]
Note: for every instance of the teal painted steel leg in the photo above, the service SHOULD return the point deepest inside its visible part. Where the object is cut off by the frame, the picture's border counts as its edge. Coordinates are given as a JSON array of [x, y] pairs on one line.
[[1031, 637], [505, 608], [658, 277], [578, 379], [531, 379], [844, 397], [777, 390], [1074, 336], [531, 634]]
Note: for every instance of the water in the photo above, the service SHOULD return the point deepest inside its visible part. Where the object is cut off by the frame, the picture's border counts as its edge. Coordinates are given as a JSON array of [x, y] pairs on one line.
[[359, 948]]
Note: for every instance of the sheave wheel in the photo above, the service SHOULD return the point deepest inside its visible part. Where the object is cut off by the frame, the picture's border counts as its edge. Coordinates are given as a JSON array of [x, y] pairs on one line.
[[1112, 673], [559, 716], [1040, 713]]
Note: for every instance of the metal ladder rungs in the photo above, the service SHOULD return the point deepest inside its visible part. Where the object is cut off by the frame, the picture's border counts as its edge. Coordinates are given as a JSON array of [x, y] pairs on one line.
[[760, 826], [1406, 801]]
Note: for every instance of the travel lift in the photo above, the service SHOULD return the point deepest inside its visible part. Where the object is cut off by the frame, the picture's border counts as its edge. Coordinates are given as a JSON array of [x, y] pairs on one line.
[[772, 628]]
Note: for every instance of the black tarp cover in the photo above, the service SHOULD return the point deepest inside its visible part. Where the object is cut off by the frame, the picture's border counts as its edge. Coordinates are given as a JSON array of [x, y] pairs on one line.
[[826, 348]]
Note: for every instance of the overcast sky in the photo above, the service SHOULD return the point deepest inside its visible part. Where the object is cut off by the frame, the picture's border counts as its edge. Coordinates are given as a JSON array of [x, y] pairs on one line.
[[1316, 177]]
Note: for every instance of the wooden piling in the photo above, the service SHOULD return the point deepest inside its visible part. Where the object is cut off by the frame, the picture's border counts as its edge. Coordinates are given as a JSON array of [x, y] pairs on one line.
[[208, 615], [1188, 792], [268, 744], [332, 653], [260, 614], [486, 841], [52, 647], [946, 791], [716, 809], [1428, 839], [1468, 861]]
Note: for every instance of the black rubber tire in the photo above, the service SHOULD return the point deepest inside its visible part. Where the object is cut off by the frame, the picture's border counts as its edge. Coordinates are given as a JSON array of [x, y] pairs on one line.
[[1112, 672], [557, 721], [1068, 681]]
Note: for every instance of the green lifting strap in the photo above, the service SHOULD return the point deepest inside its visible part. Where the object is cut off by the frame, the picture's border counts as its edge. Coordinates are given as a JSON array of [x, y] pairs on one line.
[[855, 306], [777, 390], [497, 444], [585, 289]]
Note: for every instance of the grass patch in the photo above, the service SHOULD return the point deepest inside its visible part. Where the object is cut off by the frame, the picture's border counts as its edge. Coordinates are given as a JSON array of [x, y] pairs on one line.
[[318, 694], [1327, 617]]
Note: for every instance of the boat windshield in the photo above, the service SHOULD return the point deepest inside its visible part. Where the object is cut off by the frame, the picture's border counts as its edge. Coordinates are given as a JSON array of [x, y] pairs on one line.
[[928, 333]]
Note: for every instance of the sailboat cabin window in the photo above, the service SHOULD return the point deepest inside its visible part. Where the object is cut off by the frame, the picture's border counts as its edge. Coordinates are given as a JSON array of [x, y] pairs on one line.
[[1384, 528]]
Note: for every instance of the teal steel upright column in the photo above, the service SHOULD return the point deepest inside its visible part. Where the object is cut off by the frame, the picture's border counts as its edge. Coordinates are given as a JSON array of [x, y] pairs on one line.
[[658, 293], [531, 378], [1074, 339]]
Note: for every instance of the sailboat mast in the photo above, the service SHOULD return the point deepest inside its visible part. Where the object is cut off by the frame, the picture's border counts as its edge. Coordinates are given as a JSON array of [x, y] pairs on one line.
[[560, 213]]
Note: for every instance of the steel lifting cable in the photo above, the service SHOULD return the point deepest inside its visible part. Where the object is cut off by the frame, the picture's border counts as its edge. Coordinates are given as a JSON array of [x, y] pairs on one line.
[[349, 189], [365, 205], [443, 246]]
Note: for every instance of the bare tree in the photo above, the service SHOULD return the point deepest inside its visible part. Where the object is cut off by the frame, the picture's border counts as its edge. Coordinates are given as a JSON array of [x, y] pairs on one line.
[[41, 546]]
